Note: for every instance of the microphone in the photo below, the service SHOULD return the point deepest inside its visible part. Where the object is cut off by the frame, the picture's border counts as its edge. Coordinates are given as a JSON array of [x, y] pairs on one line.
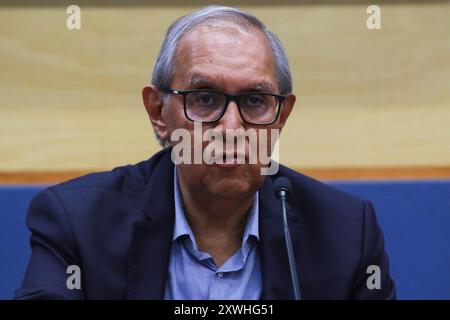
[[282, 190]]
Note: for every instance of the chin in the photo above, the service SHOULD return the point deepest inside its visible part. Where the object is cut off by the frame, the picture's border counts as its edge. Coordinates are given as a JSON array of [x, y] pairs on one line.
[[226, 183], [228, 189]]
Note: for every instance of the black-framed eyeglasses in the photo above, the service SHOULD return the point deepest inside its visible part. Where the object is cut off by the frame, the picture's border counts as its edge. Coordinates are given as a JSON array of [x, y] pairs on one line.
[[208, 106]]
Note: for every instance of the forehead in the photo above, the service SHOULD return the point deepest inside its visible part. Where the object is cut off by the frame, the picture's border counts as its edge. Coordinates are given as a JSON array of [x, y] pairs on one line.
[[228, 55]]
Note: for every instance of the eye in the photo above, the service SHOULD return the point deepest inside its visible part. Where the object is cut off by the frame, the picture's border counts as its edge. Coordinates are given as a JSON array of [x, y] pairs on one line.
[[205, 99], [254, 100]]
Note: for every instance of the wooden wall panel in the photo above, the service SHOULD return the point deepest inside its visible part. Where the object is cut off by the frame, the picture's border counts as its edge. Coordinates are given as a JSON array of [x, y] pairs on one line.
[[70, 100]]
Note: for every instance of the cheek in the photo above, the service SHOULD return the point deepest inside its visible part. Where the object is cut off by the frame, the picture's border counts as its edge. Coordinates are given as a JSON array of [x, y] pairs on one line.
[[175, 119], [254, 175], [267, 137]]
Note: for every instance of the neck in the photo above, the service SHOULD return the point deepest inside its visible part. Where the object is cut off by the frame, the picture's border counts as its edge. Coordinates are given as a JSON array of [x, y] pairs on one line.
[[218, 224], [209, 214]]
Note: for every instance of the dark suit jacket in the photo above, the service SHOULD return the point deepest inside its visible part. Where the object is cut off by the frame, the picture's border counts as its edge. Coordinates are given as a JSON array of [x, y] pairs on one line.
[[117, 226]]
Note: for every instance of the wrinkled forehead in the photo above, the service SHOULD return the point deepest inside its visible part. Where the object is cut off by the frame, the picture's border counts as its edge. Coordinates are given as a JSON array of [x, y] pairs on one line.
[[223, 49]]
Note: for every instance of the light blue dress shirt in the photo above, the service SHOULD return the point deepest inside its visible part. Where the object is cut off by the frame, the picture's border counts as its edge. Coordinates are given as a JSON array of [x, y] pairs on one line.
[[193, 275]]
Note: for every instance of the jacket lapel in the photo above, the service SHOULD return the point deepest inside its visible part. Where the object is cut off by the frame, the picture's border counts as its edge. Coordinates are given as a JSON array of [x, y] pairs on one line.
[[152, 238], [276, 275]]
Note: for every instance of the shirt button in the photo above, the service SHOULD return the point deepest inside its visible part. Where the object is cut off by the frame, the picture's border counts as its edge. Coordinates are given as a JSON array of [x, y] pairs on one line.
[[219, 274]]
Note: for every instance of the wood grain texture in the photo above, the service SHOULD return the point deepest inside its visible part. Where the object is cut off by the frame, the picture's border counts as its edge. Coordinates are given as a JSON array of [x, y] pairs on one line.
[[70, 100]]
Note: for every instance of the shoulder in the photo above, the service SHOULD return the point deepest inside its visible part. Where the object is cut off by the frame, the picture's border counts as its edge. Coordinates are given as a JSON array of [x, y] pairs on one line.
[[94, 201], [325, 204], [126, 179], [339, 230], [317, 191], [120, 187]]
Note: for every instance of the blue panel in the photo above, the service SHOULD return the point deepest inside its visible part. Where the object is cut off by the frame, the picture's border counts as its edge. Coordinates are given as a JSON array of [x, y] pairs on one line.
[[14, 247], [415, 218], [414, 215]]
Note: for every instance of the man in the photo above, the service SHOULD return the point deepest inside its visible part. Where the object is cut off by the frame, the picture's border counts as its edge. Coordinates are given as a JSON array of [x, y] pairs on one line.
[[156, 230]]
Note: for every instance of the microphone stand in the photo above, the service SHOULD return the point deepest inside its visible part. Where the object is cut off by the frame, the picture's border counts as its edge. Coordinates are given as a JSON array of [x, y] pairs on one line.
[[290, 251]]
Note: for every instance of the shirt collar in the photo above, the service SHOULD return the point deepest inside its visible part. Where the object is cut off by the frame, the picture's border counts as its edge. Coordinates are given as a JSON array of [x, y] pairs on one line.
[[182, 227]]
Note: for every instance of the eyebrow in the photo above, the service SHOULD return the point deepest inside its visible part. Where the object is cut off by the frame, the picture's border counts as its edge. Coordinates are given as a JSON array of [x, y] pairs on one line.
[[200, 81]]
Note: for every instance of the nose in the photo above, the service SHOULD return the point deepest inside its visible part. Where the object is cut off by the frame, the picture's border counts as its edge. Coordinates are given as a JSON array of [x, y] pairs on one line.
[[232, 118]]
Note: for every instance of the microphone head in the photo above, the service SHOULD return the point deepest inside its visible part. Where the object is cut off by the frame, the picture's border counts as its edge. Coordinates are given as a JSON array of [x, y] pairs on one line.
[[282, 183]]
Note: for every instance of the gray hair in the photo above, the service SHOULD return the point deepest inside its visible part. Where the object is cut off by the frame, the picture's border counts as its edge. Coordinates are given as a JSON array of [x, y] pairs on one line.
[[164, 69]]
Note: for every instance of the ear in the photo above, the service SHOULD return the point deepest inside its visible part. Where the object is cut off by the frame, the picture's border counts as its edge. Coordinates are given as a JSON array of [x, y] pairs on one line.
[[153, 103], [288, 104]]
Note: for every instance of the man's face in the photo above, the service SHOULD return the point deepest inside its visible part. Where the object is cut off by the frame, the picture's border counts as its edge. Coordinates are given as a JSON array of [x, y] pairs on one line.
[[229, 59]]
